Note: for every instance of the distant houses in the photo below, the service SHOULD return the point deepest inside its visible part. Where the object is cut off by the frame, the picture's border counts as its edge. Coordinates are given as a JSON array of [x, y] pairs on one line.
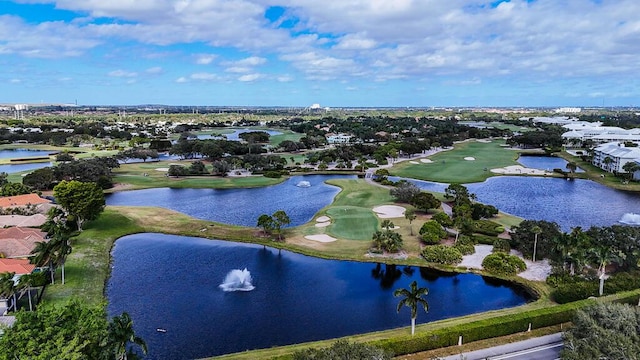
[[580, 131]]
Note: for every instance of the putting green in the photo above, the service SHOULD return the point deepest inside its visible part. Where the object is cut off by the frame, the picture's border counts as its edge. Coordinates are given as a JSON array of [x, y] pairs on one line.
[[451, 167], [352, 223]]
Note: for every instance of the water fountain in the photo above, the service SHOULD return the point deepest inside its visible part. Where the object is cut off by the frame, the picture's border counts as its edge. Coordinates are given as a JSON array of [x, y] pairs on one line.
[[630, 219], [237, 280], [303, 184]]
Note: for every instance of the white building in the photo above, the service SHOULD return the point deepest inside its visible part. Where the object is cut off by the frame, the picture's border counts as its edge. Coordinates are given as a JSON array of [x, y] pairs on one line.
[[338, 139], [618, 153], [599, 134]]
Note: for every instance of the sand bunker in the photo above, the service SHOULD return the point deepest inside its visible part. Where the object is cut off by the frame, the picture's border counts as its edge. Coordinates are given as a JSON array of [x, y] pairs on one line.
[[414, 162], [323, 224], [389, 211], [162, 169], [469, 158], [321, 238], [486, 141], [519, 169], [426, 161], [323, 219]]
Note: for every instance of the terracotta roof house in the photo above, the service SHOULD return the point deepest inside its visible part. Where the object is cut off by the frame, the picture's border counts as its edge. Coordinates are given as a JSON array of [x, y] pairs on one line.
[[22, 200], [16, 242], [17, 266]]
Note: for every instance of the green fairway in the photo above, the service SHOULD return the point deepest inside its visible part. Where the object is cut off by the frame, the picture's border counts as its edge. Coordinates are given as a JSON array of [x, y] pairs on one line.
[[133, 175], [275, 140], [451, 167], [352, 223], [359, 193]]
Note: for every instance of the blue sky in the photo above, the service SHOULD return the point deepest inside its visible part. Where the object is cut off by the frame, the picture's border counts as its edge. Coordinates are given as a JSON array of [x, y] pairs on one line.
[[337, 53]]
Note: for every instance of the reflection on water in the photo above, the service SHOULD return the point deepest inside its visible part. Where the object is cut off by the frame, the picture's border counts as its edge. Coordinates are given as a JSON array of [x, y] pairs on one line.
[[172, 282]]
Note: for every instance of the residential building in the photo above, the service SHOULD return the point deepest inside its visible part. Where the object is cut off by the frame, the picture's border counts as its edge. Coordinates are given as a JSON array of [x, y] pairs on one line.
[[618, 155], [17, 242]]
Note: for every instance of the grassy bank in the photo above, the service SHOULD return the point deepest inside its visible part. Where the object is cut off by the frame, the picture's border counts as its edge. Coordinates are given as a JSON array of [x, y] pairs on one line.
[[598, 175]]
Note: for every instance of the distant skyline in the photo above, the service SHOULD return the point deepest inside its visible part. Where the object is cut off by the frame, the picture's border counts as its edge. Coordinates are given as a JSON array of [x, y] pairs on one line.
[[336, 53]]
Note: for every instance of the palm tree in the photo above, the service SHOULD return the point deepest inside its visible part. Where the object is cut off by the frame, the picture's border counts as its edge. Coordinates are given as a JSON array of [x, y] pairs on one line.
[[410, 215], [603, 255], [8, 287], [24, 285], [607, 161], [121, 334], [571, 166], [412, 297], [44, 255], [387, 224], [536, 231]]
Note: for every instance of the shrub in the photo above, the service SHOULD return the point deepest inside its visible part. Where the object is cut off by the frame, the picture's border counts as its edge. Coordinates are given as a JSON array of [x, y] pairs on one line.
[[483, 239], [275, 174], [566, 293], [443, 219], [177, 170], [343, 349], [501, 245], [432, 232], [487, 227], [503, 264], [465, 249], [465, 240], [442, 254]]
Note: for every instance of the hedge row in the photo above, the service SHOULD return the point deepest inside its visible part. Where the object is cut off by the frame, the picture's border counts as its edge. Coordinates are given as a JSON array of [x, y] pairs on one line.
[[493, 327]]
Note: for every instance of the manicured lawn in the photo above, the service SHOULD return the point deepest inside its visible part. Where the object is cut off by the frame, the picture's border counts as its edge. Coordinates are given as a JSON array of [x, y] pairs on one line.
[[87, 266], [286, 135], [133, 175], [451, 167], [352, 223]]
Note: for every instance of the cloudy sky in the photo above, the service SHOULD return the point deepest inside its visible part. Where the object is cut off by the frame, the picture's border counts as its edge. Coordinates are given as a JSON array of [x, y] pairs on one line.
[[333, 52]]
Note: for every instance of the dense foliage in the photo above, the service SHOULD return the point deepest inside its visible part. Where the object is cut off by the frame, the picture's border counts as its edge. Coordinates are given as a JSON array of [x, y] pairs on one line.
[[503, 264], [604, 331], [431, 232], [442, 254], [343, 349]]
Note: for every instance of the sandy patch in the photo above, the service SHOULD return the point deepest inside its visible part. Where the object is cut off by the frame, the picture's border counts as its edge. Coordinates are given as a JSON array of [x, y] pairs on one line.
[[414, 162], [323, 219], [323, 224], [486, 141], [321, 238], [389, 211], [470, 158], [474, 261], [519, 169], [162, 169], [537, 271], [426, 161]]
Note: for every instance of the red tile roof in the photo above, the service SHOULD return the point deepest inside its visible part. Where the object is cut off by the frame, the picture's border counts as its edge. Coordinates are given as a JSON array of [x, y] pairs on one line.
[[19, 242], [17, 266], [21, 200]]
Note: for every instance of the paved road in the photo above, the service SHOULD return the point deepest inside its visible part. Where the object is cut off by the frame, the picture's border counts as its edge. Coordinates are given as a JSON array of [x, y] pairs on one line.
[[542, 348]]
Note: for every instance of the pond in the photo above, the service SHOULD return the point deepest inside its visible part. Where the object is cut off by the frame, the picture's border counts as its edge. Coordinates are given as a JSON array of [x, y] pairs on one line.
[[547, 163], [235, 135], [569, 203], [240, 206], [172, 283], [14, 168], [23, 153]]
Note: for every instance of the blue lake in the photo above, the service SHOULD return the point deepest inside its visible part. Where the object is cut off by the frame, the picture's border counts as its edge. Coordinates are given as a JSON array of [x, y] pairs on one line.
[[23, 153], [235, 135], [547, 163], [172, 282], [9, 169], [240, 206]]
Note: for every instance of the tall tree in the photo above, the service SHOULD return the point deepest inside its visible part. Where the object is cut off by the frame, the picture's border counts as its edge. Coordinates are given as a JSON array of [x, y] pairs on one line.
[[266, 223], [84, 201], [412, 298], [44, 255], [280, 219], [121, 335], [410, 215]]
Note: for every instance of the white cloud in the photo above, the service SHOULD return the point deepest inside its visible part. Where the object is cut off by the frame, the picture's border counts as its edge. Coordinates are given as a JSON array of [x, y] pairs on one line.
[[182, 80], [154, 70], [284, 78], [250, 77], [205, 59], [15, 81], [203, 76], [122, 73]]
